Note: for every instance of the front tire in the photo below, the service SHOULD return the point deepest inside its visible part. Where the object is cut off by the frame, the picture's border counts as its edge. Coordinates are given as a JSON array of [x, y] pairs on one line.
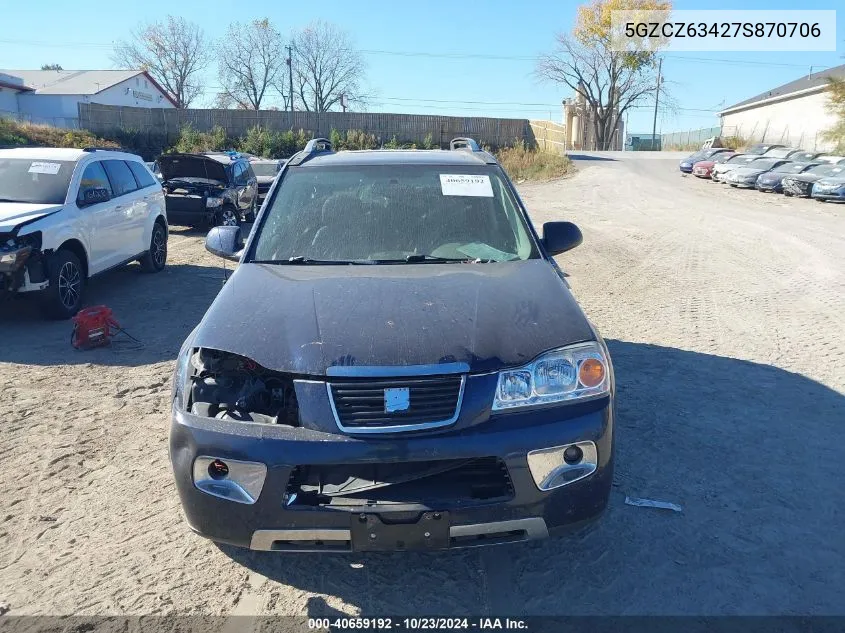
[[63, 297], [227, 216], [155, 258]]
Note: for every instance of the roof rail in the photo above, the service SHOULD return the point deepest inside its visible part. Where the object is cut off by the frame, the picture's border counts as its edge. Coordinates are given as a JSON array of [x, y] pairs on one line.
[[464, 143], [106, 149], [312, 148]]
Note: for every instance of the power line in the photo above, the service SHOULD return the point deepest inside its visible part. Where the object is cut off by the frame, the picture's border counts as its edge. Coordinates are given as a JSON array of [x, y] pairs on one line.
[[458, 56]]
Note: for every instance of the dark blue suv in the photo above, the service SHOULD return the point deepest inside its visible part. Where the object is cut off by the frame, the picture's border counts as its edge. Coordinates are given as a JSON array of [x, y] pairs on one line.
[[415, 373]]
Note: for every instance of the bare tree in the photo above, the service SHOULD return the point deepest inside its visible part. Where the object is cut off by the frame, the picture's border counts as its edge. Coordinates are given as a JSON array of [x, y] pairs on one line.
[[251, 58], [174, 52], [610, 81], [326, 66]]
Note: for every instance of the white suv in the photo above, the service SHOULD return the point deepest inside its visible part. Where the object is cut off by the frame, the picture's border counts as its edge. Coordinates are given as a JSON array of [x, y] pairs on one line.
[[69, 214]]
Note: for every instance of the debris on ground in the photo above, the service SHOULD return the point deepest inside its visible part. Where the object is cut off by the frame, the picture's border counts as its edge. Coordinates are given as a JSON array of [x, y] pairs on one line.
[[4, 608], [651, 503]]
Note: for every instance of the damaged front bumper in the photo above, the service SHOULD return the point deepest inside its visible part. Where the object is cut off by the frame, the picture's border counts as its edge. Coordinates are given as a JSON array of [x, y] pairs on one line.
[[283, 488], [22, 265]]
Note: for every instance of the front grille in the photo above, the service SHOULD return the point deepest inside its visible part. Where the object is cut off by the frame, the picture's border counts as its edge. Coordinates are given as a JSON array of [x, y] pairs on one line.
[[437, 483], [359, 403]]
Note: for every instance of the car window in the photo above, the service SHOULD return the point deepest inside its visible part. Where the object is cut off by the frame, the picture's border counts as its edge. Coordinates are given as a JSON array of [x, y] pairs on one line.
[[120, 176], [239, 176], [41, 181], [144, 177], [391, 212], [94, 177]]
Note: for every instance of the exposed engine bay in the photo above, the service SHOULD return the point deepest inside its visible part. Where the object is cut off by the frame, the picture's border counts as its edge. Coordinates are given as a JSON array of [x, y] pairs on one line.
[[230, 387], [192, 186]]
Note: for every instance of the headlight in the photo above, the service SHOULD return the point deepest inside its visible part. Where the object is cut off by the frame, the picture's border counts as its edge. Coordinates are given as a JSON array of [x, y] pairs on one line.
[[571, 373], [213, 203], [179, 390], [14, 259]]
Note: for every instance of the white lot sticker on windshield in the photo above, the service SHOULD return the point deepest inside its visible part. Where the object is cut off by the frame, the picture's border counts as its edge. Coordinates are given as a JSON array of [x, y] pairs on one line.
[[44, 168], [466, 185]]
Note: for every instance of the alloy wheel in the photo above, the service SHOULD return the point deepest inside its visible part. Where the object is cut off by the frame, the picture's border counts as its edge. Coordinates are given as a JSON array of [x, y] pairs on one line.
[[159, 248], [70, 282], [228, 218]]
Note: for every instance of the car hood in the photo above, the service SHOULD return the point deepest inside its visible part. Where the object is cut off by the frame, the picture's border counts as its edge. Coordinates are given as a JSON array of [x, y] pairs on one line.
[[705, 164], [746, 172], [14, 214], [191, 166], [831, 180], [807, 177], [772, 176], [304, 319]]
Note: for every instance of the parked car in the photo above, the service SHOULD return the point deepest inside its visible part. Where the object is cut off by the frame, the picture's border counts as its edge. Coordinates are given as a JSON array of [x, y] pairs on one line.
[[405, 399], [805, 157], [704, 168], [830, 188], [265, 171], [832, 159], [746, 176], [761, 148], [67, 215], [721, 170], [783, 152], [214, 189], [772, 180], [801, 185], [686, 165]]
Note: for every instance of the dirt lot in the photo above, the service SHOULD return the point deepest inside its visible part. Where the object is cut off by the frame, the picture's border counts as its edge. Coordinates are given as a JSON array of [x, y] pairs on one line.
[[725, 313]]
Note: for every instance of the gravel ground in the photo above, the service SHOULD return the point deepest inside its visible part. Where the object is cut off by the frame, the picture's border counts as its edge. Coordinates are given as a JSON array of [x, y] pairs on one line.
[[725, 313]]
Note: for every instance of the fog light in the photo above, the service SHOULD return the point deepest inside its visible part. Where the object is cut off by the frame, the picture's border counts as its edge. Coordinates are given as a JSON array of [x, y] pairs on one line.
[[232, 479], [573, 455], [218, 470], [562, 465]]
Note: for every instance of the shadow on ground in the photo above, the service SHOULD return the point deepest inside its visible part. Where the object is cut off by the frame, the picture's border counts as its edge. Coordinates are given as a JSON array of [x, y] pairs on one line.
[[159, 310], [589, 157], [751, 452]]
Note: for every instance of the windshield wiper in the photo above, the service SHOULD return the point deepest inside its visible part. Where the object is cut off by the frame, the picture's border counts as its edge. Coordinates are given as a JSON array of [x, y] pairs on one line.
[[422, 258], [301, 259]]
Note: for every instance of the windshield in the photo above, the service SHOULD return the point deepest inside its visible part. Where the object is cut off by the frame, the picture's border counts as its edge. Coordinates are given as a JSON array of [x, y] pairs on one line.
[[763, 163], [265, 169], [393, 213], [791, 168], [723, 158], [825, 170], [34, 181]]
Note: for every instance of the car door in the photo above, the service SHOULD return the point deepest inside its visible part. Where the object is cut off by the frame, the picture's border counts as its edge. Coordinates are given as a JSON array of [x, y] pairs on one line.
[[126, 224], [241, 178], [96, 217], [152, 199]]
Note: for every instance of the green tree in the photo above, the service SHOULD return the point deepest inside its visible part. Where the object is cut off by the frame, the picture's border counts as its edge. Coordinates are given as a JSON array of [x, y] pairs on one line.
[[836, 106], [610, 78]]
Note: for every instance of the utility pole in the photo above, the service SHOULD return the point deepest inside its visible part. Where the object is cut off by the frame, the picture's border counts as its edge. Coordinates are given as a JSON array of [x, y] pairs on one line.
[[656, 99], [290, 81]]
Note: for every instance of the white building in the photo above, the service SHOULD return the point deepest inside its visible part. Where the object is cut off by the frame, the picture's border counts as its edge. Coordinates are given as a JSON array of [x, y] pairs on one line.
[[794, 114], [51, 96]]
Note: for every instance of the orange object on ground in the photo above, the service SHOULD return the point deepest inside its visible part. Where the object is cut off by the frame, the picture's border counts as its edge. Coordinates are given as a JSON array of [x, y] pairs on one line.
[[93, 327]]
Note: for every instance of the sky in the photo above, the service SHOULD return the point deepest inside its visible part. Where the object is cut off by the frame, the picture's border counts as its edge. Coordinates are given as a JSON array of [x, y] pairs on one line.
[[469, 58]]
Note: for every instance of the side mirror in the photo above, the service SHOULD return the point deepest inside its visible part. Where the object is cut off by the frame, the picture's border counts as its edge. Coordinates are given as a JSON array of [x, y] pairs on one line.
[[559, 237], [225, 241], [95, 195]]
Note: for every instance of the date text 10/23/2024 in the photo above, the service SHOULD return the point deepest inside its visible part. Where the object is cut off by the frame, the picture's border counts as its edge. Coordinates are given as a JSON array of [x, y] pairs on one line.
[[417, 624]]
